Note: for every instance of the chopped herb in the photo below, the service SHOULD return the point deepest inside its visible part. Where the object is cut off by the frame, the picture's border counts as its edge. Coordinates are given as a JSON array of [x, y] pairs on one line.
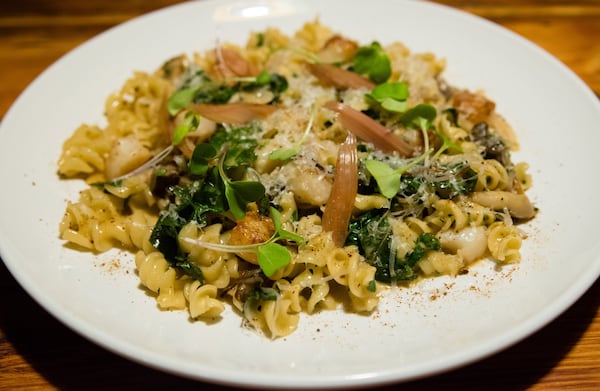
[[452, 114], [190, 269], [446, 181], [260, 39], [161, 171], [263, 293]]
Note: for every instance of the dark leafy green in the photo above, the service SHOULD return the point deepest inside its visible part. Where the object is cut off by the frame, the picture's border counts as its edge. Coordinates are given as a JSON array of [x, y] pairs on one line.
[[452, 180], [193, 202], [446, 181], [421, 116], [372, 234], [212, 193], [199, 89], [201, 157], [239, 145], [273, 81]]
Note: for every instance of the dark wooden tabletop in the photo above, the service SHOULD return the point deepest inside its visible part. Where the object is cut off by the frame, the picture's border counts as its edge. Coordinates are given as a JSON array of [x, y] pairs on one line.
[[39, 353]]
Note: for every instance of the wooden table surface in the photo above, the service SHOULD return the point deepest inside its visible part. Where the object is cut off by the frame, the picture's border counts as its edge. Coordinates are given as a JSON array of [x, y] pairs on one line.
[[39, 353]]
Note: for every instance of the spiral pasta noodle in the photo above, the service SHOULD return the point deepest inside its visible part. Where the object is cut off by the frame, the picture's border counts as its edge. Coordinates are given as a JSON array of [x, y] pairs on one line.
[[163, 280], [504, 242]]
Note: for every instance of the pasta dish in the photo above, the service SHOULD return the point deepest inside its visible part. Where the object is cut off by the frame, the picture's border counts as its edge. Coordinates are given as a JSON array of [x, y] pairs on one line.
[[294, 174]]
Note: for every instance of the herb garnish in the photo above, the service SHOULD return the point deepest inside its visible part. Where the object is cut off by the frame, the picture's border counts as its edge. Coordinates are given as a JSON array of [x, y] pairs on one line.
[[391, 96], [271, 255], [372, 61]]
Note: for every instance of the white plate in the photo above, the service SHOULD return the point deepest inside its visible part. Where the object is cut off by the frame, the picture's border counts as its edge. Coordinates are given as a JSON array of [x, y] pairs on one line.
[[440, 325]]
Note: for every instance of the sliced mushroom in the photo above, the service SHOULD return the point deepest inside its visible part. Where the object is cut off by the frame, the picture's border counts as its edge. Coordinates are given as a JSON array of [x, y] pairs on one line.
[[518, 205]]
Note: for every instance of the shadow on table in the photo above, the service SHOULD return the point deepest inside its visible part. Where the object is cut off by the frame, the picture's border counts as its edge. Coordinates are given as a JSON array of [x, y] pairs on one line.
[[69, 361]]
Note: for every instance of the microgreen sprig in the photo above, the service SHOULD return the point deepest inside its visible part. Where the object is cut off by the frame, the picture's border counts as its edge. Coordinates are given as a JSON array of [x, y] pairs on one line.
[[190, 122], [271, 255], [372, 61], [391, 96], [421, 117], [388, 178], [239, 193]]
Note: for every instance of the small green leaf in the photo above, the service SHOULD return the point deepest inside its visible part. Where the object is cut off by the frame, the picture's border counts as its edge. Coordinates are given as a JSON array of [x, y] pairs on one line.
[[180, 100], [394, 90], [191, 120], [272, 257], [281, 233], [241, 193], [372, 61], [249, 191], [391, 96], [421, 116], [388, 179], [202, 155], [276, 217], [234, 205], [395, 106]]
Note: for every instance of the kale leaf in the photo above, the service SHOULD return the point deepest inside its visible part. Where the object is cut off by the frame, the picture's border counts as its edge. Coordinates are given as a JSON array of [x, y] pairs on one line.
[[193, 202], [446, 181], [239, 143], [372, 234]]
